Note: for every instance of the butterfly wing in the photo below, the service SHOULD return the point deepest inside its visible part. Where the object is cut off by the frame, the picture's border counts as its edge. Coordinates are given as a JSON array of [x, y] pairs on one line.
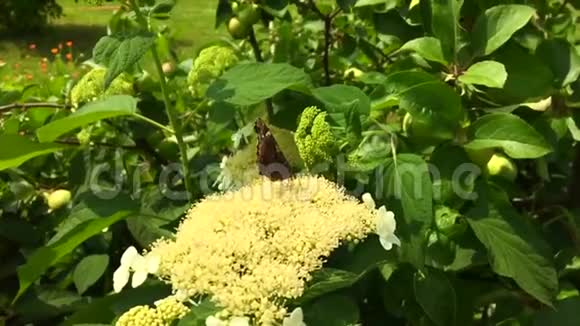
[[271, 161]]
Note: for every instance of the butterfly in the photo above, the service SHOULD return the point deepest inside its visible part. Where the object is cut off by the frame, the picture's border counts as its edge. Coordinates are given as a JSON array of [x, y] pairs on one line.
[[271, 161]]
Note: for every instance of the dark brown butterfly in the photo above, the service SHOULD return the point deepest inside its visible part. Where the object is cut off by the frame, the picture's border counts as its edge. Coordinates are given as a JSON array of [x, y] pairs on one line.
[[271, 160]]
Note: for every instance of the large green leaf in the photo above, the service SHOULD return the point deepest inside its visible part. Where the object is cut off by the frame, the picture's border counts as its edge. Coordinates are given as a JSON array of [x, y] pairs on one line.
[[340, 100], [486, 73], [120, 52], [425, 97], [407, 180], [427, 47], [565, 313], [529, 78], [18, 149], [43, 258], [110, 107], [562, 58], [327, 280], [515, 248], [429, 291], [387, 4], [89, 271], [104, 309], [452, 184], [332, 310], [509, 132], [251, 83], [495, 27], [445, 25]]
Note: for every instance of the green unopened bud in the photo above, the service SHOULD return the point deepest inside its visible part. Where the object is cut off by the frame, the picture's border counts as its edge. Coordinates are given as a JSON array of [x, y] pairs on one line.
[[237, 29], [58, 199], [501, 166]]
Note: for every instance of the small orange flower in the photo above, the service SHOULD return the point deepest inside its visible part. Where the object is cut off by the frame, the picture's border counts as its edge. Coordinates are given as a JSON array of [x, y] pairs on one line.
[[54, 51], [69, 44], [43, 65], [29, 76], [69, 56], [32, 46]]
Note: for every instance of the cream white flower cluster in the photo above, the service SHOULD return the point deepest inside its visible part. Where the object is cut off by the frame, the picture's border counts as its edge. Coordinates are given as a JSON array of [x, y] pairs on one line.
[[296, 318], [253, 249]]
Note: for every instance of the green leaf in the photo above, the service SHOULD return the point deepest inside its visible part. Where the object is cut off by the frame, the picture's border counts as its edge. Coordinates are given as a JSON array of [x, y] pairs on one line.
[[145, 229], [120, 52], [223, 12], [562, 58], [564, 313], [495, 27], [445, 25], [341, 98], [89, 271], [109, 107], [515, 249], [90, 207], [426, 98], [325, 281], [332, 310], [45, 257], [387, 4], [251, 83], [46, 302], [198, 314], [436, 295], [509, 132], [407, 180], [529, 78], [18, 149], [427, 47], [104, 309], [447, 188], [486, 73]]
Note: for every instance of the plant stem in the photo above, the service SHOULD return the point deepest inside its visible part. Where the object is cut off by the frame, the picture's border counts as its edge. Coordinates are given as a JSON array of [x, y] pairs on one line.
[[26, 106], [327, 42], [171, 112], [258, 55], [155, 123]]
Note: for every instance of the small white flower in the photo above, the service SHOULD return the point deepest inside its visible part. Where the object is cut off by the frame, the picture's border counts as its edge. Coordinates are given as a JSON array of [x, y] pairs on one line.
[[239, 321], [386, 226], [224, 181], [368, 200], [141, 266], [214, 321], [181, 295], [296, 318]]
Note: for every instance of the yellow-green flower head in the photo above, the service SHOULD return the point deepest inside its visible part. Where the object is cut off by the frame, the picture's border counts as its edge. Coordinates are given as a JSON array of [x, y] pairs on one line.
[[170, 309], [91, 87], [239, 169], [165, 312], [208, 66], [314, 138], [140, 316], [254, 248]]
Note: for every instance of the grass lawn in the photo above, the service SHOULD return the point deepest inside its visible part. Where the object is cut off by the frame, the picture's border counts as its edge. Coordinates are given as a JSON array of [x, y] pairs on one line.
[[192, 25]]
